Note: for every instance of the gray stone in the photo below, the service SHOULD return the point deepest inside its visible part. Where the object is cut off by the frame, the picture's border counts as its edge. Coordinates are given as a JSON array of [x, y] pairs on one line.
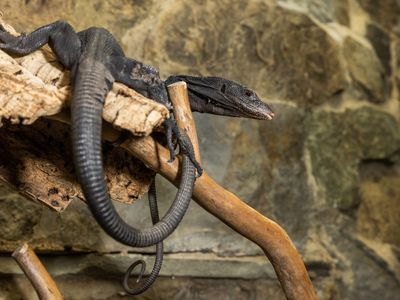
[[338, 141], [366, 69], [380, 40], [379, 211], [377, 132], [325, 11], [397, 64], [17, 218], [361, 274], [280, 53], [333, 155], [180, 264], [285, 193], [97, 287], [385, 13], [117, 16], [93, 277]]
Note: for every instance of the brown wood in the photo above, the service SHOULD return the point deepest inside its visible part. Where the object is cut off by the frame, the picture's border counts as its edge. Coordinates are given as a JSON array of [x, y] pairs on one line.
[[35, 86], [231, 210], [224, 205], [183, 115], [24, 97], [227, 207], [37, 161], [41, 280]]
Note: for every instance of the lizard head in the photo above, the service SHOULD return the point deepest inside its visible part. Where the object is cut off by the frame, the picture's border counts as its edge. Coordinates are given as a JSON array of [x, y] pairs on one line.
[[224, 97]]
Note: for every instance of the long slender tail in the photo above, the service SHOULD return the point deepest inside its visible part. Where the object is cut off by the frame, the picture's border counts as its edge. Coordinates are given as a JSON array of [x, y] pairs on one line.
[[90, 89], [159, 253]]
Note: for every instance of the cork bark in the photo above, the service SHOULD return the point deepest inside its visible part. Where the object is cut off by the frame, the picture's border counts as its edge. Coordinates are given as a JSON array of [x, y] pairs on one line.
[[37, 159]]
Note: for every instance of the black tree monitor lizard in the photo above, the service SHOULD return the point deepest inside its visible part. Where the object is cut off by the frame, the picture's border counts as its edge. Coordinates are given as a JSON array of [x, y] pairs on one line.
[[96, 60]]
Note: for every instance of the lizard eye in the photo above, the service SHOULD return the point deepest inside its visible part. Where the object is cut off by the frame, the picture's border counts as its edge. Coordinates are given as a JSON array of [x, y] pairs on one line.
[[248, 93], [223, 88]]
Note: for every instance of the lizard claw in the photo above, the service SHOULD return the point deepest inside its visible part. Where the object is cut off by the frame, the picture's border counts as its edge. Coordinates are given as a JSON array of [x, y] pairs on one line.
[[169, 127], [184, 143], [187, 148]]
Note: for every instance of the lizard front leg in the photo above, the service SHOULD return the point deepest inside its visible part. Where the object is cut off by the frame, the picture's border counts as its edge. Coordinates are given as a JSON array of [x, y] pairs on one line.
[[146, 80], [89, 54], [60, 36]]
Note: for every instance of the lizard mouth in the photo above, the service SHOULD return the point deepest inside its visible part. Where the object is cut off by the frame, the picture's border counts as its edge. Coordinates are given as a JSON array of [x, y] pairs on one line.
[[270, 115], [252, 113], [261, 111]]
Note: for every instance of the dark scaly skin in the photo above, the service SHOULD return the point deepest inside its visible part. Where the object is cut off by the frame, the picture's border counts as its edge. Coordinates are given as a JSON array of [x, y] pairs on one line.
[[96, 61], [159, 252], [207, 95], [220, 96]]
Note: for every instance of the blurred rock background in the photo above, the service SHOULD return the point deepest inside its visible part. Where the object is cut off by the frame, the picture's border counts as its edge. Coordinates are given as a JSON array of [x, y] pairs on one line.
[[327, 168]]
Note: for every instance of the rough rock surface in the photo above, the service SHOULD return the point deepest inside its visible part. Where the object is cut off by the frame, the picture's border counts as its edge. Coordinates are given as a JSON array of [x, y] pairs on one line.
[[326, 168]]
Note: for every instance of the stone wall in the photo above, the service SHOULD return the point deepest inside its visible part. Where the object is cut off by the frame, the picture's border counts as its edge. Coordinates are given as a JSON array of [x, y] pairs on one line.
[[327, 168]]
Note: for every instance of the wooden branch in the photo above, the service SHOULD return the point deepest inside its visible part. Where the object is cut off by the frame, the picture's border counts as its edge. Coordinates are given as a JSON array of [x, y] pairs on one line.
[[41, 280], [36, 85], [25, 97], [183, 115], [36, 161], [227, 207], [274, 241]]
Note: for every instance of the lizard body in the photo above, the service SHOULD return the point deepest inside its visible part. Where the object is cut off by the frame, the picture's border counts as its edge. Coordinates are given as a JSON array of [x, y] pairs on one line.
[[95, 61]]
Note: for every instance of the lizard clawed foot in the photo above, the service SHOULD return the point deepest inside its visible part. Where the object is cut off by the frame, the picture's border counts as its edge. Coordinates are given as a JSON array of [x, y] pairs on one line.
[[187, 148], [124, 135], [170, 125], [184, 143]]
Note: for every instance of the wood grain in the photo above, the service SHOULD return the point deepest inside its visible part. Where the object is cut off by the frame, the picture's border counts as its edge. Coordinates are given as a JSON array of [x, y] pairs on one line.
[[223, 204], [183, 115], [41, 280], [226, 206]]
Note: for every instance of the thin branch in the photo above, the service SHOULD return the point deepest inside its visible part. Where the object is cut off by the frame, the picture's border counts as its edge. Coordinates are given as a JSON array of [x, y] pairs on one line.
[[41, 280], [228, 208], [183, 115]]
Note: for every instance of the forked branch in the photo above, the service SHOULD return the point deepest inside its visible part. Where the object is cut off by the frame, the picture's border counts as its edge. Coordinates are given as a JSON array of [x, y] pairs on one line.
[[223, 204]]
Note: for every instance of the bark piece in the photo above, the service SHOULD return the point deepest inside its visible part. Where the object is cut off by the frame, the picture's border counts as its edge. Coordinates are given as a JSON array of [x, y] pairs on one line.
[[25, 97], [35, 86], [37, 160]]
